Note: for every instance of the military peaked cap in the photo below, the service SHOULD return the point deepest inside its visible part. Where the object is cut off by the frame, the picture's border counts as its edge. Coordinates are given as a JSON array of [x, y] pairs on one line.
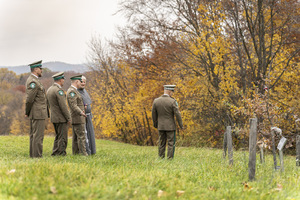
[[36, 64], [58, 76], [169, 87], [77, 77]]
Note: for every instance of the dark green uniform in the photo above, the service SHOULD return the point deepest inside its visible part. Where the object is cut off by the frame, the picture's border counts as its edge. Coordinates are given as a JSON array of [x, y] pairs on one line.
[[36, 109], [59, 116], [78, 121], [163, 111]]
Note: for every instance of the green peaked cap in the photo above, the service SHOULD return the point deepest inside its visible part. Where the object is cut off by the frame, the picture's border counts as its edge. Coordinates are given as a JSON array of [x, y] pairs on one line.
[[36, 64], [169, 87], [58, 76], [77, 77]]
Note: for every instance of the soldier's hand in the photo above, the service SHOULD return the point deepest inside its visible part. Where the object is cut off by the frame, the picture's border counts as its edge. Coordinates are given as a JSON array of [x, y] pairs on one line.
[[83, 114], [26, 115]]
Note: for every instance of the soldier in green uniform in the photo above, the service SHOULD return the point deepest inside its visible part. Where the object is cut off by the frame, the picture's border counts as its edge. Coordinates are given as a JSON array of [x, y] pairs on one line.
[[59, 114], [78, 116], [163, 111], [36, 109]]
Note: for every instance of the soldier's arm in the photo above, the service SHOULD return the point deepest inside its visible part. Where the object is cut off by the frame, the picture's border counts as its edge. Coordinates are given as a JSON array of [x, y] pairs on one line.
[[73, 103], [154, 116], [48, 104], [31, 92], [177, 113], [60, 95]]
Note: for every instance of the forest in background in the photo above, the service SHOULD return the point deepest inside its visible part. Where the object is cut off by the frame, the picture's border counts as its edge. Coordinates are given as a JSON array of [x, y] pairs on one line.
[[231, 60]]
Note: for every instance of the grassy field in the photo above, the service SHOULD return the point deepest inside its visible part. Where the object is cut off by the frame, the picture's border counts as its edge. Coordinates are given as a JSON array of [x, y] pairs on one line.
[[122, 171]]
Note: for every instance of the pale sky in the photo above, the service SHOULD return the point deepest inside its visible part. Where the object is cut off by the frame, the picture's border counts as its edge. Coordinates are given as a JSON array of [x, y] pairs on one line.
[[54, 30]]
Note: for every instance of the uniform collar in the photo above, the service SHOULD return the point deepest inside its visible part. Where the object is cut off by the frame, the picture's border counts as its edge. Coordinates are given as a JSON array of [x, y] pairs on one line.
[[74, 87], [57, 85], [35, 76], [166, 95]]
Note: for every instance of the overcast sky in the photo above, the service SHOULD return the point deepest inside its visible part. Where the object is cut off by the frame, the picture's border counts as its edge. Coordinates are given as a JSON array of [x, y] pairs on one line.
[[53, 30]]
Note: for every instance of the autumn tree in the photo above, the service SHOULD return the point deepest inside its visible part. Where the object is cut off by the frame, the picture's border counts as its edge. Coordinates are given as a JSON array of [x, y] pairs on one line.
[[231, 60], [9, 99], [264, 61]]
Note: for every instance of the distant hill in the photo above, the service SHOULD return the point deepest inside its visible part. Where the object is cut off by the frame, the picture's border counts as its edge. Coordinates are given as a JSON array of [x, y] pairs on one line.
[[53, 66]]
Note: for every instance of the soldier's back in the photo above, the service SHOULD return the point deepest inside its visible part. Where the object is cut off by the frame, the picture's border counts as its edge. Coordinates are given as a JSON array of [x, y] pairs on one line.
[[164, 109]]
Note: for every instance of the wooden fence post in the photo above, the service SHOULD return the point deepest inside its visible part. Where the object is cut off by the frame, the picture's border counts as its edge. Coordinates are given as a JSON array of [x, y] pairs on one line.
[[280, 148], [274, 148], [262, 158], [297, 143], [281, 160], [252, 148], [225, 144], [229, 145], [298, 150]]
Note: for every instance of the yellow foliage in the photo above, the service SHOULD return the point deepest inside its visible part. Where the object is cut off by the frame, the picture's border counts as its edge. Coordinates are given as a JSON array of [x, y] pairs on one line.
[[222, 79]]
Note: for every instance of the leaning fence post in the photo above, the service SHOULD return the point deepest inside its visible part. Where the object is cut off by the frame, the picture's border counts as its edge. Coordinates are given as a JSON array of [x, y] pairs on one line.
[[252, 148], [280, 148], [229, 145]]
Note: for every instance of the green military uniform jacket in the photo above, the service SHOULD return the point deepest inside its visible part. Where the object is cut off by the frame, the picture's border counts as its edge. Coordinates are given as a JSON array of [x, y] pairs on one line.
[[36, 102], [76, 105], [163, 111], [58, 104]]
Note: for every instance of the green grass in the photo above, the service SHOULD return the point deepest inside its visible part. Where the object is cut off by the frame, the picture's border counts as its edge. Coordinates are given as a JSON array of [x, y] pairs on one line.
[[122, 171]]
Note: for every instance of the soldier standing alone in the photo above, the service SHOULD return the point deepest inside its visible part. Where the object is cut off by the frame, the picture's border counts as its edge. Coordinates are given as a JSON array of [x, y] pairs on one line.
[[78, 116], [163, 111], [59, 115], [36, 109]]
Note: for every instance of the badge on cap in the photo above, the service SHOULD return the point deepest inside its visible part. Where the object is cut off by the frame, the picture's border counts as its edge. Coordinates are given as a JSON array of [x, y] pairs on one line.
[[32, 85]]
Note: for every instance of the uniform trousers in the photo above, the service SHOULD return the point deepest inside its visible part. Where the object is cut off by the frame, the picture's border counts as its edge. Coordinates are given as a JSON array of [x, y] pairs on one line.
[[78, 139], [164, 137], [61, 139], [37, 128]]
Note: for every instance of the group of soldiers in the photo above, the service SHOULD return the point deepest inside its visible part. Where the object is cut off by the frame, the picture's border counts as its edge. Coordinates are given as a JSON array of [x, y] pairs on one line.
[[37, 107], [164, 111]]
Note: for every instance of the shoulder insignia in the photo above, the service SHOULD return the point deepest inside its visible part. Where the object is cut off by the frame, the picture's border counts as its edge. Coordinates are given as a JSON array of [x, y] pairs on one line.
[[32, 85], [60, 92], [72, 94]]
